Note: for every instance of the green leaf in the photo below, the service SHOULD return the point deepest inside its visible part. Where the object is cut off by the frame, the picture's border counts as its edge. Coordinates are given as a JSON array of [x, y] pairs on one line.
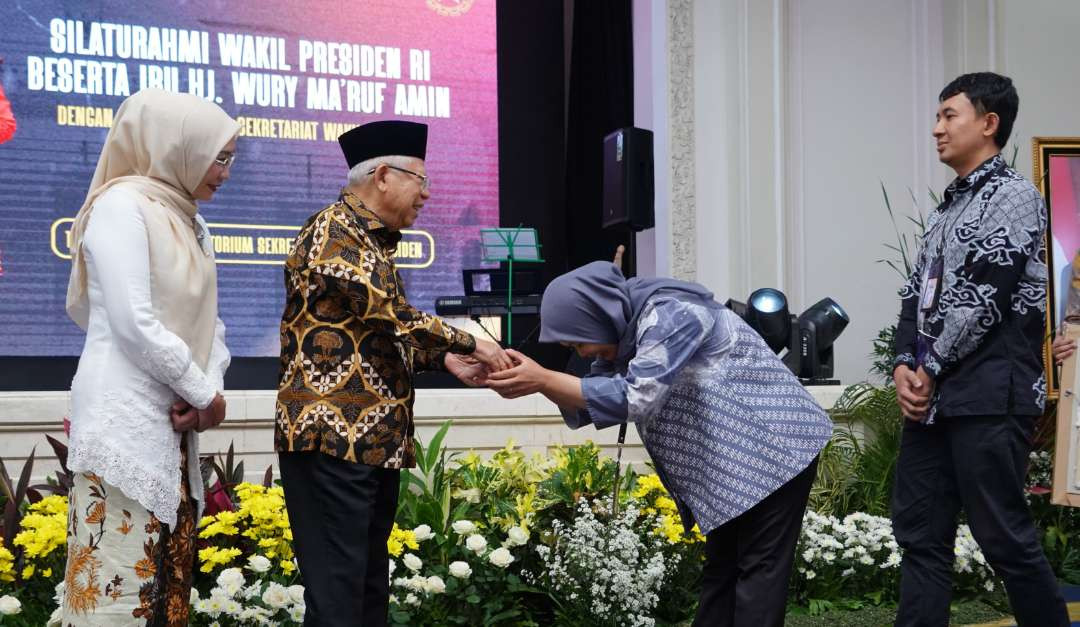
[[435, 446], [472, 598]]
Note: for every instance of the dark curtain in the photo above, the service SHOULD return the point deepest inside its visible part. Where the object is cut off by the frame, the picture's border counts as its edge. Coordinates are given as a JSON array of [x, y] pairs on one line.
[[601, 100]]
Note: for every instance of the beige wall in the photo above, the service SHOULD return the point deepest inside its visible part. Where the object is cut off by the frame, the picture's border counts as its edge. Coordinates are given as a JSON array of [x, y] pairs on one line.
[[801, 109], [482, 421]]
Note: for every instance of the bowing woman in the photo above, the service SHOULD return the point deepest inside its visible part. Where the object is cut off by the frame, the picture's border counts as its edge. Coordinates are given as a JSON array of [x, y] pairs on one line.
[[733, 434]]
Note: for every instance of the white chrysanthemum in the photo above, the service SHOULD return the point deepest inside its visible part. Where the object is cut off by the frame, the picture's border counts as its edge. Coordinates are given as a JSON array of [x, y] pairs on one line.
[[233, 608], [276, 596], [253, 591]]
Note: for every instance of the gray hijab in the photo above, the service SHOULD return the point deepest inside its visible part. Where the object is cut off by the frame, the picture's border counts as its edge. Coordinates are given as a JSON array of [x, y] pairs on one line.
[[596, 304]]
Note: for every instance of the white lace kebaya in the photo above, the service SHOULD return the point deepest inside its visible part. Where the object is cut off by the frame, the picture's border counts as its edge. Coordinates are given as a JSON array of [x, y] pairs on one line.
[[133, 368]]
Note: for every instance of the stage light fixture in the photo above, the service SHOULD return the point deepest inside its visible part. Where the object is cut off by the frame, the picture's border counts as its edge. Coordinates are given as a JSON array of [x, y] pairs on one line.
[[819, 326], [767, 313], [807, 338]]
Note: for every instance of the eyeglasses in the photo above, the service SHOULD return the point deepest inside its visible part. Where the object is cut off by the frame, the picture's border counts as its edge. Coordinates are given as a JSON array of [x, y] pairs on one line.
[[425, 182], [225, 161]]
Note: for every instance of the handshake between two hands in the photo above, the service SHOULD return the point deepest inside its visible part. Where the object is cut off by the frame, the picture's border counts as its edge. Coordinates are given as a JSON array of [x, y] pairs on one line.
[[508, 372], [185, 417]]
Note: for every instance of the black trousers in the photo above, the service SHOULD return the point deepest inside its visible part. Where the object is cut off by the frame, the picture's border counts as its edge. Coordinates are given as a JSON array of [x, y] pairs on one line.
[[978, 463], [341, 515], [748, 559]]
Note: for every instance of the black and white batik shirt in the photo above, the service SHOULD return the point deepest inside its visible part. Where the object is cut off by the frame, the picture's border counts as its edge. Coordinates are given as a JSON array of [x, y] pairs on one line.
[[986, 333]]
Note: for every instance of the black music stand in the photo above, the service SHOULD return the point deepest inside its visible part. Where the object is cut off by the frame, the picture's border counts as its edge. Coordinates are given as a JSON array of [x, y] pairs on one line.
[[510, 245]]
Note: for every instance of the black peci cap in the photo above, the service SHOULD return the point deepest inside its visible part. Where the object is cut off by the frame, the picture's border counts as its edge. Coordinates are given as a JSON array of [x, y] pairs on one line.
[[383, 139]]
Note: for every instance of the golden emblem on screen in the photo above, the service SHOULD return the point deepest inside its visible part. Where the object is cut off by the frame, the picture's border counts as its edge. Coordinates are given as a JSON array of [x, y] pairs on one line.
[[450, 8]]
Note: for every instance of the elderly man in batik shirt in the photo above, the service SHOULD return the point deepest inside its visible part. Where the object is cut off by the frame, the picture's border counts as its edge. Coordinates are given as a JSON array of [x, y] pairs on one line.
[[350, 343]]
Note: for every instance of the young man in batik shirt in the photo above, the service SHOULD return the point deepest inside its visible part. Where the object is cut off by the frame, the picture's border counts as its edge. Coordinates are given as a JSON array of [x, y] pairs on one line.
[[969, 372]]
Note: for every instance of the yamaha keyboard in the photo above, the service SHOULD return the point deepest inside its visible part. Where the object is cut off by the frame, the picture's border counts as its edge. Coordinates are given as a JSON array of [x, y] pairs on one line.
[[486, 305]]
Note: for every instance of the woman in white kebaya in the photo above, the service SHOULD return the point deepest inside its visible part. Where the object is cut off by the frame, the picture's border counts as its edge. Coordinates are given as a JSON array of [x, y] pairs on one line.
[[144, 286]]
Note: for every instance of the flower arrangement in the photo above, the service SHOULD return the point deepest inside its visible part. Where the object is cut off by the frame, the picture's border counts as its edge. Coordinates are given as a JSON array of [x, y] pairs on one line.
[[466, 576], [512, 539], [235, 601], [259, 525], [604, 570], [856, 560]]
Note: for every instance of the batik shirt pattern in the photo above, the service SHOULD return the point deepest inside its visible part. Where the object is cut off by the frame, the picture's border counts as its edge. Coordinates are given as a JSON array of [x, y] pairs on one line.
[[986, 335], [350, 342]]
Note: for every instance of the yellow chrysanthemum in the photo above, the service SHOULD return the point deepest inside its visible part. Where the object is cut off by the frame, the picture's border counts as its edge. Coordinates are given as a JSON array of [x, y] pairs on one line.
[[400, 539], [43, 528], [646, 484], [213, 556], [665, 504], [7, 564]]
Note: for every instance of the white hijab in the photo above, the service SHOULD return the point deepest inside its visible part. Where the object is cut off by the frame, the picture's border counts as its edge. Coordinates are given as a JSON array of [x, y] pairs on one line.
[[160, 146]]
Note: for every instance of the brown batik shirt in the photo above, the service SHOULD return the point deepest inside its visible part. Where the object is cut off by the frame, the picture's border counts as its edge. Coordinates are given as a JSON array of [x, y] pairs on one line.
[[350, 342]]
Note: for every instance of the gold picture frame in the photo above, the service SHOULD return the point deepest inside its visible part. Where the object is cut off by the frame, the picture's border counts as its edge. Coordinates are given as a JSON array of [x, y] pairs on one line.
[[1055, 160]]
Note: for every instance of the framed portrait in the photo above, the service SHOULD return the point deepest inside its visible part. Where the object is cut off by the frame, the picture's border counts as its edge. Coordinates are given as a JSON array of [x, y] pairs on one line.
[[1056, 162], [1066, 477]]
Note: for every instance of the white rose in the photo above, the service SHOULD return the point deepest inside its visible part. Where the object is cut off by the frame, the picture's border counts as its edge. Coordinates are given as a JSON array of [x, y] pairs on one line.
[[258, 563], [461, 570], [296, 614], [476, 543], [423, 532], [411, 599], [412, 562], [231, 580], [9, 605], [276, 596], [501, 557], [296, 594], [392, 567], [463, 527], [436, 585], [517, 536]]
